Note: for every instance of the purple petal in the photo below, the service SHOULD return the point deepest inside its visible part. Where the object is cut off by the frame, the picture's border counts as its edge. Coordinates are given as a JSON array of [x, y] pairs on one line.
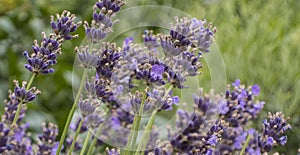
[[255, 89], [236, 83]]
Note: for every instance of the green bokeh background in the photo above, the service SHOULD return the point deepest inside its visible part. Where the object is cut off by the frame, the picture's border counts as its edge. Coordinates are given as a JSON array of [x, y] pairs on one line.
[[258, 40]]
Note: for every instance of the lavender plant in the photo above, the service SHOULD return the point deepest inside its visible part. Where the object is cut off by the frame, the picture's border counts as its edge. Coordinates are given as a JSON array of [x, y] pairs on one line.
[[121, 85]]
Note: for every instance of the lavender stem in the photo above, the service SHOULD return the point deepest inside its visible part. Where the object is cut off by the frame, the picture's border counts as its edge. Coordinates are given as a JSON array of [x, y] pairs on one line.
[[75, 137], [21, 103], [71, 113], [245, 145], [86, 141]]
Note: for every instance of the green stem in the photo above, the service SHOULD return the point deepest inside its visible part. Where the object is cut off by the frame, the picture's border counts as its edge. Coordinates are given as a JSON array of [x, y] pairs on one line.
[[90, 150], [145, 138], [128, 145], [135, 127], [75, 137], [245, 145], [146, 135], [14, 123], [139, 117], [71, 113], [30, 81], [86, 141]]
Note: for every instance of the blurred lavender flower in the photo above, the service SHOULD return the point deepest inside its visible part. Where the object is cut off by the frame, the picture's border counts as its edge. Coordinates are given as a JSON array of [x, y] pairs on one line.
[[150, 40], [86, 107], [93, 120], [77, 145], [113, 151], [11, 108], [236, 83], [4, 137], [47, 144], [88, 59], [74, 126], [18, 143]]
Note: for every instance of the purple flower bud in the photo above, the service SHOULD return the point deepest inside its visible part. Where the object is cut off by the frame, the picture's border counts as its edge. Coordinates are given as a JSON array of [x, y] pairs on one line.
[[236, 83], [175, 100], [86, 107], [156, 71], [255, 90], [64, 25]]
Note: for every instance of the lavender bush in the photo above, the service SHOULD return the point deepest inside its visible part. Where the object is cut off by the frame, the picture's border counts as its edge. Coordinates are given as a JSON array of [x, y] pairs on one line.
[[121, 85]]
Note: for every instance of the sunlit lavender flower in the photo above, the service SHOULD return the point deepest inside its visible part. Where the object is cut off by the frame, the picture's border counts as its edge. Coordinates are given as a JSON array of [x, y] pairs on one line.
[[185, 34], [102, 22], [109, 55], [47, 144], [150, 74], [110, 5], [192, 138], [240, 105], [44, 55], [64, 25], [275, 126]]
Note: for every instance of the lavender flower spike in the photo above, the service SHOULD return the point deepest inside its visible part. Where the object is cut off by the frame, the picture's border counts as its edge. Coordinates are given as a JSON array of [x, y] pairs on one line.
[[64, 25], [102, 21], [88, 59], [23, 95], [47, 144]]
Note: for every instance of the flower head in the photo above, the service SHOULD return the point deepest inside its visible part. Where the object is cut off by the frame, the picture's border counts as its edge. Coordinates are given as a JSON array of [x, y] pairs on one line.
[[24, 95], [47, 144], [64, 25]]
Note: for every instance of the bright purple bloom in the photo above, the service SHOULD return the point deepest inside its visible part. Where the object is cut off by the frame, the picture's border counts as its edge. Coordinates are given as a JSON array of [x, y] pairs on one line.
[[255, 90], [64, 25], [237, 83], [156, 71]]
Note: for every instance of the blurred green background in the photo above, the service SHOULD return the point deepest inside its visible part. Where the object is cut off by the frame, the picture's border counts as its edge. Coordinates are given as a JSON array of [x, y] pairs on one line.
[[259, 42]]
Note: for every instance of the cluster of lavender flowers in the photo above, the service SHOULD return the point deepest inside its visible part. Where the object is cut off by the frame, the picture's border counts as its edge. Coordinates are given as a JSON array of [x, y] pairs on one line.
[[14, 138], [119, 85]]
